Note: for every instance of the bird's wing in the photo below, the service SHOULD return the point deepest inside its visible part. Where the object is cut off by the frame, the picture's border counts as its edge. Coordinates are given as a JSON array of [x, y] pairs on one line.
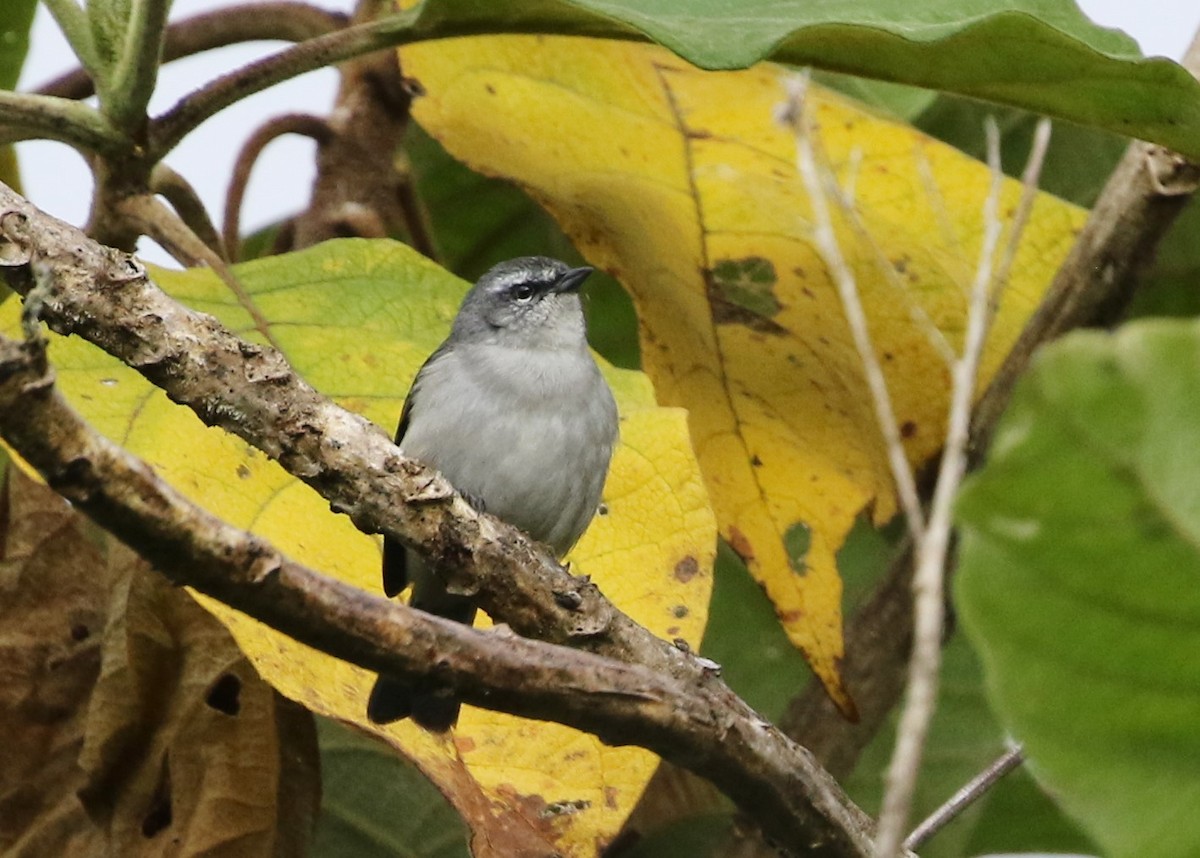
[[395, 555]]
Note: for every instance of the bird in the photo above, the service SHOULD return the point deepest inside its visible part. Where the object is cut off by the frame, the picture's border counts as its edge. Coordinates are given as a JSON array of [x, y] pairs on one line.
[[512, 409]]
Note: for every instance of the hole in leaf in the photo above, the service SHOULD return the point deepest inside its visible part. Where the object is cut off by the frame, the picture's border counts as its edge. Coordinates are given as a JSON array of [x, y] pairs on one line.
[[225, 694]]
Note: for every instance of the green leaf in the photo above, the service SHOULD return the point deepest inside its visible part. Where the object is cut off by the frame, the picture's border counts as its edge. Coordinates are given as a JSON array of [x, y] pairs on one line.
[[16, 16], [1079, 581], [377, 805], [1040, 55], [963, 740], [1170, 287]]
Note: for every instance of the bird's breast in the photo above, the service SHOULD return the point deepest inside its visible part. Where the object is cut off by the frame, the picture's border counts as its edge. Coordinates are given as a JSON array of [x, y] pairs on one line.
[[528, 435]]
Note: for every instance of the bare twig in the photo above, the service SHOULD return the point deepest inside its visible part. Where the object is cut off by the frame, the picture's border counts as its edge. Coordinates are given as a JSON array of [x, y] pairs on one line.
[[933, 549], [934, 544], [1029, 179], [250, 390], [819, 188], [292, 123], [965, 797]]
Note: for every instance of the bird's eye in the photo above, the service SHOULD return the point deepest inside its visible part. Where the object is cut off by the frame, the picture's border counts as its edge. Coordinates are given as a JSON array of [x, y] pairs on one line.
[[523, 292]]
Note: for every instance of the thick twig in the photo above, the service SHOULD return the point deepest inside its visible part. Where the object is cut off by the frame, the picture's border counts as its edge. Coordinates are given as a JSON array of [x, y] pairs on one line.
[[697, 723], [280, 21], [965, 797], [1143, 197], [105, 297], [358, 189]]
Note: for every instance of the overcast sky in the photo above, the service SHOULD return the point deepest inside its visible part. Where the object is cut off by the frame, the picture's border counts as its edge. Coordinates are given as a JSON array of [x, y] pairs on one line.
[[56, 179]]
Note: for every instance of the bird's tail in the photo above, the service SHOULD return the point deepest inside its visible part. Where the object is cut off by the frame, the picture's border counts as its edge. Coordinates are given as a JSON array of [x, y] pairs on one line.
[[429, 702], [435, 707]]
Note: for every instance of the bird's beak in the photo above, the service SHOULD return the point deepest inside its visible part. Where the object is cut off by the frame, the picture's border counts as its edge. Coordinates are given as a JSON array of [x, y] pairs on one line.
[[573, 279]]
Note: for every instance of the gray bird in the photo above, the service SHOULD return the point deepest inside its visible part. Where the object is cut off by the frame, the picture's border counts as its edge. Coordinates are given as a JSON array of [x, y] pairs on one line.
[[512, 409]]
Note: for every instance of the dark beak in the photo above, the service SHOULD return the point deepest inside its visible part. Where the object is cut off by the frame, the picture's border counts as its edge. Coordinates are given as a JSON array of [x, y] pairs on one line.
[[573, 279]]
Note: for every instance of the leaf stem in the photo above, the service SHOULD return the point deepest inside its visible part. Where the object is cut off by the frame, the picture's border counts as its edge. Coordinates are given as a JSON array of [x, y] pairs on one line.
[[136, 72], [392, 31], [73, 21], [25, 115]]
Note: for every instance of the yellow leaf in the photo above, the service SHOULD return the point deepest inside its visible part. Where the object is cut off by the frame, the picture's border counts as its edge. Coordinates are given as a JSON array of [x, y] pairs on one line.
[[679, 183], [357, 319]]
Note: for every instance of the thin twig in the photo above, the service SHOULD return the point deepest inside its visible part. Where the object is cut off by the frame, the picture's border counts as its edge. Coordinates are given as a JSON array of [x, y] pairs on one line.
[[932, 550], [825, 239], [1029, 179], [391, 31], [150, 217], [971, 792], [291, 123]]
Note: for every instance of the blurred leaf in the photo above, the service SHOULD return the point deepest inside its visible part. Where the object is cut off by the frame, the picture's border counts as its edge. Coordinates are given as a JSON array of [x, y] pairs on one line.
[[357, 318], [1078, 161], [377, 805], [680, 184], [16, 17], [964, 739], [1172, 287], [1040, 55], [133, 724], [1079, 580]]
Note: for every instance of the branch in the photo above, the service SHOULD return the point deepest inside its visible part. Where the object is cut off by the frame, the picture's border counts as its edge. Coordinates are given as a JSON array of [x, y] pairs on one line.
[[1143, 197], [80, 287], [281, 21]]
